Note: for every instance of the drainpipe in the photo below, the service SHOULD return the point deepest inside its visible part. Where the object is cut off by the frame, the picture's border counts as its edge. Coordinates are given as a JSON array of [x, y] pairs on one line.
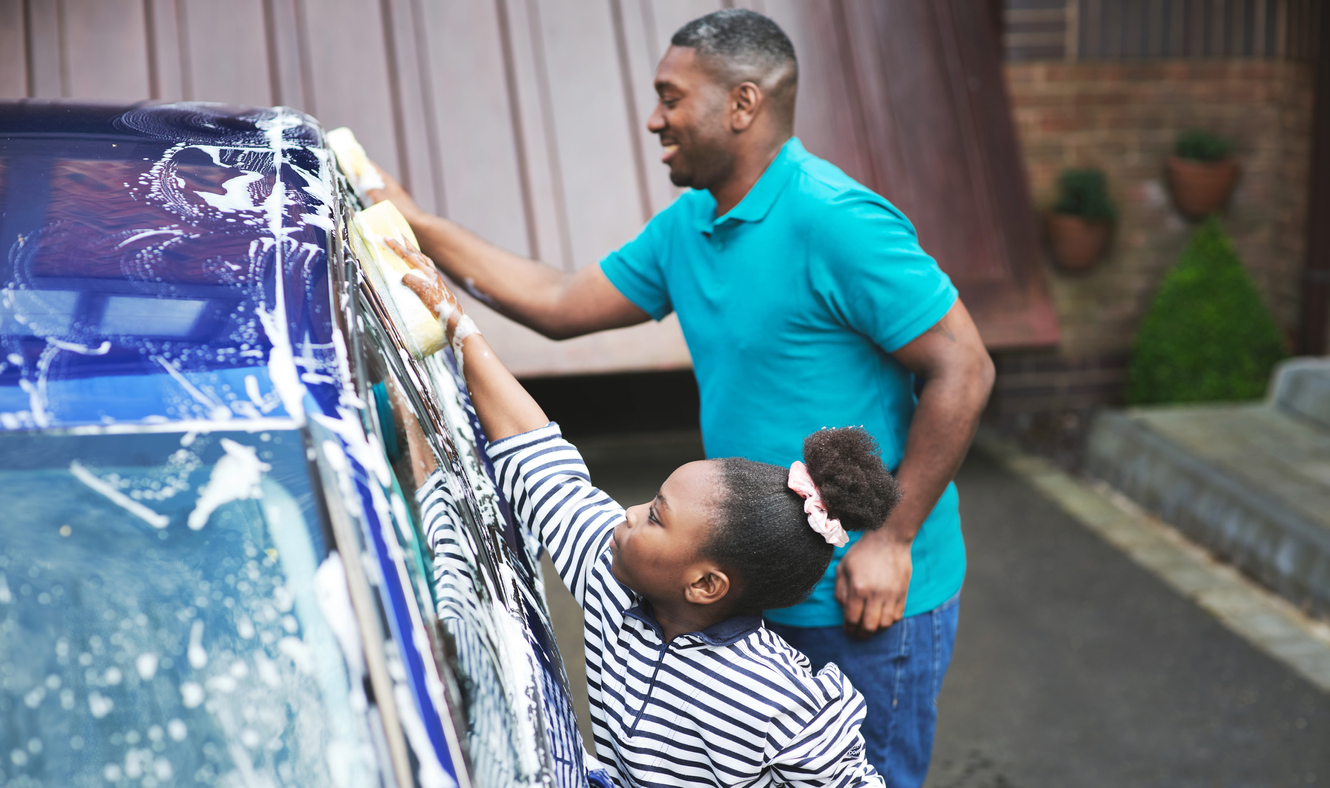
[[1316, 275]]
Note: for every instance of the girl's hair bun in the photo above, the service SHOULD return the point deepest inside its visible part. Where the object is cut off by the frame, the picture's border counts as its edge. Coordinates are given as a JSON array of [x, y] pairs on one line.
[[847, 468]]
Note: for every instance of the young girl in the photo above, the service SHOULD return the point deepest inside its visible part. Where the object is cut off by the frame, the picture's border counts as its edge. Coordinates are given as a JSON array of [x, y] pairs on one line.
[[686, 685]]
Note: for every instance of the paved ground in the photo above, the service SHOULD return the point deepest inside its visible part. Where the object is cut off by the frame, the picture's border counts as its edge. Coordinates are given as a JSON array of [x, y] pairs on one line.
[[1074, 666]]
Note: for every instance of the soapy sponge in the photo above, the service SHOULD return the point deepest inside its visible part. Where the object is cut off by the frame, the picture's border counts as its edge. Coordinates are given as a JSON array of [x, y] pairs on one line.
[[384, 268], [354, 162]]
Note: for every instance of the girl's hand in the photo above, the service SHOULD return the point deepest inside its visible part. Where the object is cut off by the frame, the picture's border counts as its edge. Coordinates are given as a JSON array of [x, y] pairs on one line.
[[427, 283]]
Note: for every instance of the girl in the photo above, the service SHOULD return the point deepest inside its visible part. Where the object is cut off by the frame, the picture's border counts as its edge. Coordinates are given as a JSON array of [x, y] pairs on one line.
[[686, 685]]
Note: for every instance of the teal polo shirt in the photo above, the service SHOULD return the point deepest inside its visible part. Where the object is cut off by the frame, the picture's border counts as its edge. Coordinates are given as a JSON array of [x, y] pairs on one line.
[[792, 304]]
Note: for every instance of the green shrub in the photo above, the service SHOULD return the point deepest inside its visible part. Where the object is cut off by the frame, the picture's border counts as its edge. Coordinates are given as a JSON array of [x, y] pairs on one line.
[[1207, 335], [1202, 146], [1084, 193]]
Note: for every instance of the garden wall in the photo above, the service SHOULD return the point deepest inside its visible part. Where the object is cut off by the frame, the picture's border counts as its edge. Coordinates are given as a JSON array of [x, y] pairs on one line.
[[1123, 117]]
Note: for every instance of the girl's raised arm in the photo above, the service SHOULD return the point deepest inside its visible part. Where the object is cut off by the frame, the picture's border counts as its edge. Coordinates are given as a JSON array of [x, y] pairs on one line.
[[504, 407]]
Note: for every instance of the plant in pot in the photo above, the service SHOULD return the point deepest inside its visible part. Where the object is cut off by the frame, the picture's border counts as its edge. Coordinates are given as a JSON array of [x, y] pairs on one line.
[[1207, 335], [1081, 219], [1201, 173]]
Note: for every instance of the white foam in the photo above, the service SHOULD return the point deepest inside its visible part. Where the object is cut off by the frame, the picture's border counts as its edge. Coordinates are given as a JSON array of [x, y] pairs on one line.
[[99, 704], [146, 665], [191, 694], [335, 603], [237, 476], [155, 519], [465, 327], [198, 655]]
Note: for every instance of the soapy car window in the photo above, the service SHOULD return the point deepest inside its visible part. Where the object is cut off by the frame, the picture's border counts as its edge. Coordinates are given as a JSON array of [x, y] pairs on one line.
[[170, 615]]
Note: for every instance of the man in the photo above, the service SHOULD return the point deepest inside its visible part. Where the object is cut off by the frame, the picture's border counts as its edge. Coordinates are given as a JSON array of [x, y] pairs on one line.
[[806, 302]]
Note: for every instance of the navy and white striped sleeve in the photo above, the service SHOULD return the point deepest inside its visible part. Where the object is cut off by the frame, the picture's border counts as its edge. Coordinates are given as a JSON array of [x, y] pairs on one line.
[[826, 749], [546, 483]]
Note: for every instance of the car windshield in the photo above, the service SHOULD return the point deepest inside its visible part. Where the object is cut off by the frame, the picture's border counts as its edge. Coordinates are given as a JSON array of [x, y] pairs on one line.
[[170, 613]]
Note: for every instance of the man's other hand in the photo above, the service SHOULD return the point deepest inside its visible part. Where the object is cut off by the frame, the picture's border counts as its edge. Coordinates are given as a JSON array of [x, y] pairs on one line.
[[392, 190], [872, 581]]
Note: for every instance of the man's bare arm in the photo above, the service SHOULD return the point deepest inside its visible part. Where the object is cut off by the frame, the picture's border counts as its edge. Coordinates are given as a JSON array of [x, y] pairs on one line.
[[555, 303], [957, 374]]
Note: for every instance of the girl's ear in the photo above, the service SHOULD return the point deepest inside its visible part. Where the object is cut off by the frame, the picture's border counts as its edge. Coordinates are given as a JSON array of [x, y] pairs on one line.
[[709, 585]]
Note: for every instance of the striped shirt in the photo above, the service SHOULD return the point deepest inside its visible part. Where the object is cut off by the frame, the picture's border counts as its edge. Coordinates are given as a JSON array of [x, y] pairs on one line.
[[732, 705]]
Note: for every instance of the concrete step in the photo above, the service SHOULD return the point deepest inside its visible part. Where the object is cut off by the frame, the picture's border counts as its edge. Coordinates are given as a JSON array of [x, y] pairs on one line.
[[1301, 387], [1251, 482]]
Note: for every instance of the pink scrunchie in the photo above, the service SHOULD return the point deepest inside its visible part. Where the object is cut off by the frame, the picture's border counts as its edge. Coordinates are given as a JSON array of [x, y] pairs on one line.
[[829, 527]]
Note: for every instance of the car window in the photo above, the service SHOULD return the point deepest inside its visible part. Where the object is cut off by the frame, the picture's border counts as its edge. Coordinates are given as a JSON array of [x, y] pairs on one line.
[[170, 615]]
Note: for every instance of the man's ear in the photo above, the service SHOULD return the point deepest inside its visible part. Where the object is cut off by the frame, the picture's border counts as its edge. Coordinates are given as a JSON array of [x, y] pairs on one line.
[[709, 585], [745, 100]]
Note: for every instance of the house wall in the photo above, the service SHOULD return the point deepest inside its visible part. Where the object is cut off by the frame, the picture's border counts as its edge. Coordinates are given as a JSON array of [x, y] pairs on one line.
[[1124, 117]]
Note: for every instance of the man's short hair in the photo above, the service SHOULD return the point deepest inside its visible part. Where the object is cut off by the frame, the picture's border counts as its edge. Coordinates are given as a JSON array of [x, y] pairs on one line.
[[740, 46]]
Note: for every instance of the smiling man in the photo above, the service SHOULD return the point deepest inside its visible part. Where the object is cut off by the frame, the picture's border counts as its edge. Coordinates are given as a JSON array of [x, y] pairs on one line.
[[806, 302]]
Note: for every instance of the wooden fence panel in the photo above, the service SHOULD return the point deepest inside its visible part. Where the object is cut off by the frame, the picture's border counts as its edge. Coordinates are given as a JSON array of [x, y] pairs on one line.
[[230, 33], [591, 124], [414, 119], [165, 73], [533, 123], [13, 50], [480, 184], [105, 49], [45, 51], [349, 82], [288, 60]]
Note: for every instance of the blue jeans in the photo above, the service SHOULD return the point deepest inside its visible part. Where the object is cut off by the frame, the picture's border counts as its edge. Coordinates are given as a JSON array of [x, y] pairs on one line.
[[899, 671]]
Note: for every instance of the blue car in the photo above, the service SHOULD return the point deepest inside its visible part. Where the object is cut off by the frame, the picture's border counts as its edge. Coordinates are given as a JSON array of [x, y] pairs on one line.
[[244, 539]]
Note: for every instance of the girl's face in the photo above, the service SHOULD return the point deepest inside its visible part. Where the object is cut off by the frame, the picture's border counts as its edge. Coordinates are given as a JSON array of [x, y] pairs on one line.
[[657, 549]]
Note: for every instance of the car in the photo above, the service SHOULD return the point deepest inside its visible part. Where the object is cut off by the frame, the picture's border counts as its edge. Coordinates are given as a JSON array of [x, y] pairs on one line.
[[247, 539]]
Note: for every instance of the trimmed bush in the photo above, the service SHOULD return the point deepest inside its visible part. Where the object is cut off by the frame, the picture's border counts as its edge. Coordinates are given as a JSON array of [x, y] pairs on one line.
[[1202, 146], [1207, 335], [1084, 193]]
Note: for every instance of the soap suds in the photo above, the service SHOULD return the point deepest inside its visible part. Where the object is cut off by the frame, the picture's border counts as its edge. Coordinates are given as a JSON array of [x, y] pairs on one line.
[[335, 603], [155, 519], [146, 665], [198, 655], [465, 327], [216, 410], [238, 475]]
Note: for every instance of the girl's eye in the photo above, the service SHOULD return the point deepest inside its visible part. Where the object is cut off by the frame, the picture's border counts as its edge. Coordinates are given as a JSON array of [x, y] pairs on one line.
[[651, 515]]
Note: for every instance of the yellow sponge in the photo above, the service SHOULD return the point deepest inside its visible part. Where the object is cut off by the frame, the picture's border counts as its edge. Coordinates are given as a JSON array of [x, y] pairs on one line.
[[369, 228], [354, 162]]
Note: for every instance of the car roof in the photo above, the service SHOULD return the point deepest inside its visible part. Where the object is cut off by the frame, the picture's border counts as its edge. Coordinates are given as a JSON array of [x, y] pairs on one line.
[[154, 274]]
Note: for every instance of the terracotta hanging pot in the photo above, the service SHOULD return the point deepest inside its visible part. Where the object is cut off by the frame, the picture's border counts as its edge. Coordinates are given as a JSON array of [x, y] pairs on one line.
[[1201, 187], [1076, 243]]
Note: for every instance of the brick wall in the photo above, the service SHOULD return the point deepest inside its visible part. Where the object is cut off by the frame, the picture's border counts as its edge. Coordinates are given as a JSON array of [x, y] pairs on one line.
[[1124, 117]]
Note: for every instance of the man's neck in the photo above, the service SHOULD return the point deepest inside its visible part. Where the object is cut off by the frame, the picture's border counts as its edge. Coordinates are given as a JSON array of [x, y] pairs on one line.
[[748, 169]]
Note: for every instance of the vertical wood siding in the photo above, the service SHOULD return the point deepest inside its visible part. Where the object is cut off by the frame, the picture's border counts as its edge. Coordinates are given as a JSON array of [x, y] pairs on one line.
[[524, 120], [1093, 29]]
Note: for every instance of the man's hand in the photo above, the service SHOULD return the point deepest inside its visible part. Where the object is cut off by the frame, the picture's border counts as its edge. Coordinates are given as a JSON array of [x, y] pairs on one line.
[[392, 190], [874, 576], [872, 581]]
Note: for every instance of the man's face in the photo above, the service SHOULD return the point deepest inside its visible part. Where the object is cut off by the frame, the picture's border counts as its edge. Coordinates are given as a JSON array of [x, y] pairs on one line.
[[691, 121], [656, 548]]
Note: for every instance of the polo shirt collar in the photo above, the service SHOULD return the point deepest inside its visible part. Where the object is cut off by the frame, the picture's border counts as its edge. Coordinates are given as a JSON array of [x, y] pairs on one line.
[[758, 201]]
